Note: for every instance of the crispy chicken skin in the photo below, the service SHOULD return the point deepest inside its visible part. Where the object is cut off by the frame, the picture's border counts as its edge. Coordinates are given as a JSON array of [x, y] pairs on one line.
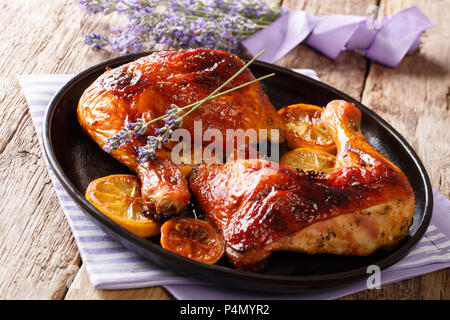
[[260, 207], [147, 87]]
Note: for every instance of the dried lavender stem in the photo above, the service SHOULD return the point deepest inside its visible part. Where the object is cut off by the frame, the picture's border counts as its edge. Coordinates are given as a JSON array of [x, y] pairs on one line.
[[215, 96], [226, 82]]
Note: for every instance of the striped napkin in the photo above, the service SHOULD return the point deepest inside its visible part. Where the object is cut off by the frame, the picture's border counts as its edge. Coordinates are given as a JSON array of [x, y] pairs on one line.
[[112, 266]]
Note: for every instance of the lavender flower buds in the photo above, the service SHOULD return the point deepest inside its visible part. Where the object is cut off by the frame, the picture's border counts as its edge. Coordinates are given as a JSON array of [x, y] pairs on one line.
[[122, 137], [149, 150], [214, 24], [172, 121], [139, 127]]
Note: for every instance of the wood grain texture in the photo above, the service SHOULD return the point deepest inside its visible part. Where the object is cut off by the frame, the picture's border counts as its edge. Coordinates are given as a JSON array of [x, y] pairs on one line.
[[38, 256], [348, 71], [37, 250], [414, 98], [82, 289]]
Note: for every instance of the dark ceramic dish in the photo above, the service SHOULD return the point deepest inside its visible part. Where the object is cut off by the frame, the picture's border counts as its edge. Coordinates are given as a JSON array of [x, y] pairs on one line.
[[77, 160]]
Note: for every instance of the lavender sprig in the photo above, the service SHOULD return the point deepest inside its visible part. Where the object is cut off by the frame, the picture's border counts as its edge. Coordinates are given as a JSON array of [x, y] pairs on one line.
[[215, 24], [173, 119], [123, 136], [139, 127]]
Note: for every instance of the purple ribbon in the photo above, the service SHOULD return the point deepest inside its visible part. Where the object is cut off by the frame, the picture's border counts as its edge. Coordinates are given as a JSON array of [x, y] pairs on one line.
[[386, 42]]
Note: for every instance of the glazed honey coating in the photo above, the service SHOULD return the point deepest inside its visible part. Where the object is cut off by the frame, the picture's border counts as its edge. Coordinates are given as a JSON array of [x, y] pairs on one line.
[[260, 207], [147, 87]]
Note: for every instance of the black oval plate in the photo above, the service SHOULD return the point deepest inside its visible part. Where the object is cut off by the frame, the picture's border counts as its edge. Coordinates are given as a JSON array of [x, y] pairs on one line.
[[77, 160]]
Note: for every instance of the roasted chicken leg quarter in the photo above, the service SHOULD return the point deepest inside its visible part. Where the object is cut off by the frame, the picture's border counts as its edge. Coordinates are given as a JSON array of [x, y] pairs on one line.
[[365, 204], [146, 88]]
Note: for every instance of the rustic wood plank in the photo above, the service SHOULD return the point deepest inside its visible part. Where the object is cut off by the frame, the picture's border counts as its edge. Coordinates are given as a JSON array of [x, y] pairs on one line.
[[428, 287], [82, 289], [37, 251], [415, 96], [414, 99], [348, 71]]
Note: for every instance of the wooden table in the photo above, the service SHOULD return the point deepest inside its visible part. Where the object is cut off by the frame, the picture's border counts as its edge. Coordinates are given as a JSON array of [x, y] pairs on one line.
[[38, 255]]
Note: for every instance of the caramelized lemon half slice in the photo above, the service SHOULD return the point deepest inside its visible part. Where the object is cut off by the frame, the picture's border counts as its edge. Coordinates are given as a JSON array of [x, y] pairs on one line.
[[119, 198], [309, 159], [192, 238], [305, 128]]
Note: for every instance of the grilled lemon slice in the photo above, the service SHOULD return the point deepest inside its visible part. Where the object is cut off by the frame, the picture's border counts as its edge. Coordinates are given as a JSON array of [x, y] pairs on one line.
[[309, 159], [119, 198], [305, 128], [192, 238]]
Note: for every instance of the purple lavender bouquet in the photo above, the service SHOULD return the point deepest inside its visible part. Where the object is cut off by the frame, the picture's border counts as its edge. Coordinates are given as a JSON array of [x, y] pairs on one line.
[[215, 24]]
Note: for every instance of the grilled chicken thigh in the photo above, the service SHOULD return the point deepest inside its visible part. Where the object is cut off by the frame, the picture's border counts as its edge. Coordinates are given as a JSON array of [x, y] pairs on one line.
[[147, 87], [260, 207]]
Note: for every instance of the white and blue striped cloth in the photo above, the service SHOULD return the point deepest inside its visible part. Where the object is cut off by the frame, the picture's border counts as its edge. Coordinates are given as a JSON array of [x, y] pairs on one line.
[[112, 266]]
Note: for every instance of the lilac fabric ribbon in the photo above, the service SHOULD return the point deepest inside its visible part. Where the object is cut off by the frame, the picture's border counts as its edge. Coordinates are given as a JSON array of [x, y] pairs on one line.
[[110, 265], [386, 43]]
